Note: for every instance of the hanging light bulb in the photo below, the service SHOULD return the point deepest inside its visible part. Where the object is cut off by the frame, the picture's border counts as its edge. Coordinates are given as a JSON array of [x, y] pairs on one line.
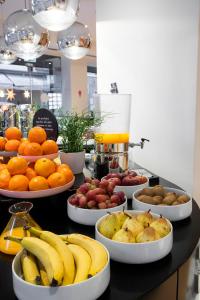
[[55, 15], [75, 41], [27, 94], [24, 36], [7, 56]]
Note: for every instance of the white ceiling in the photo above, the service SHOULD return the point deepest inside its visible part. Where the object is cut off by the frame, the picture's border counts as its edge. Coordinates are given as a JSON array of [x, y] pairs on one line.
[[87, 16]]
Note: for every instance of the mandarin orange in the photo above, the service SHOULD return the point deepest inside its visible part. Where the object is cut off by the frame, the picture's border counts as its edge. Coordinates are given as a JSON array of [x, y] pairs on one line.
[[3, 167], [13, 133], [4, 179], [38, 183], [32, 149], [66, 171], [12, 145], [37, 135], [18, 183], [22, 147], [44, 167], [3, 142], [17, 165], [56, 179], [30, 173], [49, 147]]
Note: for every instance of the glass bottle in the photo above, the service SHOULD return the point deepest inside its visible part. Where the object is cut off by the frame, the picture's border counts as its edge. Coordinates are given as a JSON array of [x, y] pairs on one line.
[[19, 218]]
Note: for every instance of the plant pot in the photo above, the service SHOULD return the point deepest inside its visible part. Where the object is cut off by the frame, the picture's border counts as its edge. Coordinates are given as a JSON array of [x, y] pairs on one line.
[[76, 160]]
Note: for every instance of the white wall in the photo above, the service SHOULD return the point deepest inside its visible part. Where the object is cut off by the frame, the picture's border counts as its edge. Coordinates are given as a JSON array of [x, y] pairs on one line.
[[150, 49]]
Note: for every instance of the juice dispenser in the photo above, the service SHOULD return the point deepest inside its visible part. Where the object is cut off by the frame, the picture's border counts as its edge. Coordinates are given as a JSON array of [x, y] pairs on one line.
[[112, 137]]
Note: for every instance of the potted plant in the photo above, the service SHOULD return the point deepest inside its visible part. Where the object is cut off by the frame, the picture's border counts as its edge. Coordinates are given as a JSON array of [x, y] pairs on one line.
[[74, 131]]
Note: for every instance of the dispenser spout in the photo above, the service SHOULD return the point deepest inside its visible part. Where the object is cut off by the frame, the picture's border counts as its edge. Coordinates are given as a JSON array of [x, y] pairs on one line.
[[141, 144], [114, 88]]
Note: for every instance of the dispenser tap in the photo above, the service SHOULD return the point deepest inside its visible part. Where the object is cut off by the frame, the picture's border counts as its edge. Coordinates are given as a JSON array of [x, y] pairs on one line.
[[141, 144], [114, 88]]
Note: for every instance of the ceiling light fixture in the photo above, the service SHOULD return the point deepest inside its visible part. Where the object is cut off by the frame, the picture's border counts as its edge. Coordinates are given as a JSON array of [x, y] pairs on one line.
[[55, 15], [24, 36], [10, 95], [2, 94], [75, 41]]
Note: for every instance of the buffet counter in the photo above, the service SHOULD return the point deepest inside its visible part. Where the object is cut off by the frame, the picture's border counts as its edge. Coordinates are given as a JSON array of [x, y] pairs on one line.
[[128, 282]]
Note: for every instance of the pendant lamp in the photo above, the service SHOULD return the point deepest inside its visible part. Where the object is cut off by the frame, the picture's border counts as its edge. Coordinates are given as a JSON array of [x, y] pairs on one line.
[[55, 15], [7, 56], [75, 41]]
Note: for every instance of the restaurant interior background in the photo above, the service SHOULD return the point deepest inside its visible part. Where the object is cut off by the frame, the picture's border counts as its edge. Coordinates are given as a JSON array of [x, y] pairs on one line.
[[150, 48]]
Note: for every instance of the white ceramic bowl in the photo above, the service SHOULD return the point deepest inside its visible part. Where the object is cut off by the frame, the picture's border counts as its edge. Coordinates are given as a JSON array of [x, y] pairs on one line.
[[173, 213], [35, 158], [37, 194], [129, 190], [87, 290], [136, 253], [86, 216]]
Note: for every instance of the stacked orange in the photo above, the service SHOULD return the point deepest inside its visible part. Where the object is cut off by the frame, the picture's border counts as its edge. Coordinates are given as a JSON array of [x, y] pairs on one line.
[[18, 175], [36, 144]]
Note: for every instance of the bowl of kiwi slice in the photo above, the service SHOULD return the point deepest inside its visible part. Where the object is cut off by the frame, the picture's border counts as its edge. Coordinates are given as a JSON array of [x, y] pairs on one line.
[[174, 204]]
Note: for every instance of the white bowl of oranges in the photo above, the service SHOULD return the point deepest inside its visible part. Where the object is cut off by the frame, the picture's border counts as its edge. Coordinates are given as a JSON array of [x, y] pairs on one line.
[[36, 146], [20, 179]]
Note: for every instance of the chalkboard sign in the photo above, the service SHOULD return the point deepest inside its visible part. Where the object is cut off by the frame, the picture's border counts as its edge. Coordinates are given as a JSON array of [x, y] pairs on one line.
[[46, 119]]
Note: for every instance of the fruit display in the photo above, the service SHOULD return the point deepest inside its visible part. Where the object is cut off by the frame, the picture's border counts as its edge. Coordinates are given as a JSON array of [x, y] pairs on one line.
[[36, 144], [19, 175], [158, 195], [51, 260], [128, 178], [94, 194], [133, 228]]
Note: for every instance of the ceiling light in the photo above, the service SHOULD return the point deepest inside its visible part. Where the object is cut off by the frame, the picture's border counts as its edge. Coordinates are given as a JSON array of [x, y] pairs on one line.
[[10, 95], [7, 56], [27, 94], [55, 15], [24, 36], [2, 94], [75, 41]]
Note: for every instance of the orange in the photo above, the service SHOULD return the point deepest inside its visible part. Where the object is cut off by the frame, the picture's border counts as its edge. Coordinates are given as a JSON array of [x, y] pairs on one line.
[[30, 173], [56, 179], [32, 149], [37, 135], [66, 171], [44, 167], [3, 167], [24, 140], [4, 179], [38, 183], [49, 147], [31, 165], [18, 183], [22, 147], [12, 145], [13, 133], [2, 143], [17, 165]]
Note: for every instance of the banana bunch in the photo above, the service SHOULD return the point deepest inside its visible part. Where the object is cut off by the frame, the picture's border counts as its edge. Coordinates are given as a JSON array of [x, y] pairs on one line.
[[52, 260]]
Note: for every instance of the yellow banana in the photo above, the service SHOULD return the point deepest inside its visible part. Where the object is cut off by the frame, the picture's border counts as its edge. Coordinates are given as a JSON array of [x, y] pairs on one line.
[[46, 254], [94, 248], [62, 249], [82, 261], [43, 274], [29, 268]]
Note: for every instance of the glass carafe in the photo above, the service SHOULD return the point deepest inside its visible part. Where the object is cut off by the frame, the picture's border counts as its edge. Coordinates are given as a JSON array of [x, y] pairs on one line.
[[19, 218]]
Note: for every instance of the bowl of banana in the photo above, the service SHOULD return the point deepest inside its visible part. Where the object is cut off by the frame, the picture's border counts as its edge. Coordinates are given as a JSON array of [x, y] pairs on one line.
[[55, 267], [174, 204], [135, 237]]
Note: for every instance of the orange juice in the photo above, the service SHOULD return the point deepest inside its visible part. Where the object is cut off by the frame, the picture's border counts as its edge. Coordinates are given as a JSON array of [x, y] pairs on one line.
[[112, 138], [9, 247]]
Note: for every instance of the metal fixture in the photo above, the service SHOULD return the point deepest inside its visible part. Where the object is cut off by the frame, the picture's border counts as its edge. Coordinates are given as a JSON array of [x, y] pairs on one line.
[[141, 144], [114, 88], [55, 15], [75, 41]]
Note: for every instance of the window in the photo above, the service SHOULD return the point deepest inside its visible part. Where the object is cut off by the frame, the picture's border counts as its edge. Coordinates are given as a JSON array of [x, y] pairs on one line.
[[55, 101], [92, 86]]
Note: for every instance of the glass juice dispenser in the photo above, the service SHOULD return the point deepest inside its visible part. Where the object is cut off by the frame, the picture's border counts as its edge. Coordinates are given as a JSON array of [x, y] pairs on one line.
[[112, 137]]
